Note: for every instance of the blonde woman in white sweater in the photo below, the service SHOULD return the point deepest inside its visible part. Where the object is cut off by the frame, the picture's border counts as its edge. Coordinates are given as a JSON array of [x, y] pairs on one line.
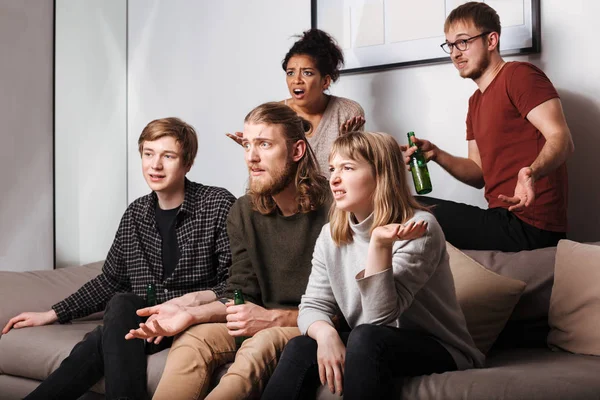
[[382, 262]]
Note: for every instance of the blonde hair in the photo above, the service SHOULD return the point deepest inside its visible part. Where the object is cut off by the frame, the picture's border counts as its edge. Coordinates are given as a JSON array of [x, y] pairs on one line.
[[392, 200], [183, 133], [311, 186]]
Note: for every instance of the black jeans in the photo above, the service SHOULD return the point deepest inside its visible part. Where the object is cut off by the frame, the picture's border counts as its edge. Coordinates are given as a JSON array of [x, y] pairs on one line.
[[104, 352], [377, 357], [472, 228]]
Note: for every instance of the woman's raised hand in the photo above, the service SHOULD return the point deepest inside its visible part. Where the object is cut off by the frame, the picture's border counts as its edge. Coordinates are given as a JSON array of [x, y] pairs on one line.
[[353, 124], [236, 137]]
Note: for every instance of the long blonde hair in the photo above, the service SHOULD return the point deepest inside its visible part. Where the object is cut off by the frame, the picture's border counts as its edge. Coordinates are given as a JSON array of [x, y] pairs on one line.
[[392, 200], [311, 186]]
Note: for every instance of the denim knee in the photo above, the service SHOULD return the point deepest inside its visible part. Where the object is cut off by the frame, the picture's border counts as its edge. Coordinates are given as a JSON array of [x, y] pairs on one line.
[[300, 345], [122, 301], [364, 337], [123, 305]]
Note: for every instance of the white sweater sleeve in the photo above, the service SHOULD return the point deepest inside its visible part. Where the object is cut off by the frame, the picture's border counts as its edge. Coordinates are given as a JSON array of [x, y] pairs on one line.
[[318, 303], [386, 295]]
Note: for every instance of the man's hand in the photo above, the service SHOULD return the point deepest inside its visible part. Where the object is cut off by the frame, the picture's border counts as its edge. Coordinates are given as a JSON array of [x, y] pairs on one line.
[[524, 191], [353, 124], [247, 319], [236, 137], [386, 235], [165, 320], [30, 319], [428, 149], [331, 357]]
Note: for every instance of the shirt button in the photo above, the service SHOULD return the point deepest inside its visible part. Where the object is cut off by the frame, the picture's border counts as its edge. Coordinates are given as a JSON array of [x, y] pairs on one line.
[[166, 290]]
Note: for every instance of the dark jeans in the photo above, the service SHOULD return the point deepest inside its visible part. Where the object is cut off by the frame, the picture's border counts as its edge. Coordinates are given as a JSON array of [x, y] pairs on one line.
[[104, 352], [472, 228], [377, 357]]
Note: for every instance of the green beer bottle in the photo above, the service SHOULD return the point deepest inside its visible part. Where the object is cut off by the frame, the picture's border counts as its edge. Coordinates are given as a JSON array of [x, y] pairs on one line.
[[151, 295], [238, 298], [418, 168], [151, 301]]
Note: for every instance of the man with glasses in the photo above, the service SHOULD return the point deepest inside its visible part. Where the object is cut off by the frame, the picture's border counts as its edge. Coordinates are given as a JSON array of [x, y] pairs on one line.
[[518, 142]]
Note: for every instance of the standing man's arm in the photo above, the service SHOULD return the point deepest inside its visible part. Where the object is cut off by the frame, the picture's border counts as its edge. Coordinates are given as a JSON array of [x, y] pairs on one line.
[[549, 119]]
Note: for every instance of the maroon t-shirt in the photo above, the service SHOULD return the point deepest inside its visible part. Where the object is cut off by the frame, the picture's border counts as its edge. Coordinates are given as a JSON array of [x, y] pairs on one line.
[[507, 142]]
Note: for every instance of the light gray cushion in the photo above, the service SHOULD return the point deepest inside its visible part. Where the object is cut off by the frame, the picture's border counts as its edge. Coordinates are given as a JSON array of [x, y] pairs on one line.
[[535, 268], [40, 290], [575, 304]]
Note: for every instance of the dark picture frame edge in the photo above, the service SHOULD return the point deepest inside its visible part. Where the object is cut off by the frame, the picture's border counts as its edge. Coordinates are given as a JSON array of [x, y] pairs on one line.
[[535, 47]]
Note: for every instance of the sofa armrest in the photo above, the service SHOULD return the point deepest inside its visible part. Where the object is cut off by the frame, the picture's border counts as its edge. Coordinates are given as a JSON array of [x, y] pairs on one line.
[[40, 290]]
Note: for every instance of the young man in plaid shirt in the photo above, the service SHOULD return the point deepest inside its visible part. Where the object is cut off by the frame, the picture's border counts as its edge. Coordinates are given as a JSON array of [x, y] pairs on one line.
[[174, 238]]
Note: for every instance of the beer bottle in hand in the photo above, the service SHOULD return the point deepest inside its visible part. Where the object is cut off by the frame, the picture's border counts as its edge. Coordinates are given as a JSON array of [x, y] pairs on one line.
[[238, 298], [418, 169]]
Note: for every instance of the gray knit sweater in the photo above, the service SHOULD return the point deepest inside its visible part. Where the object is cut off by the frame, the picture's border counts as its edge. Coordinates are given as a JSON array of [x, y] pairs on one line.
[[417, 293], [338, 111]]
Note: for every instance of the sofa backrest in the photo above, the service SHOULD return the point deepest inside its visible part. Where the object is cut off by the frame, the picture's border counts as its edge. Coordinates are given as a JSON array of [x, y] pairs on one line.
[[40, 290]]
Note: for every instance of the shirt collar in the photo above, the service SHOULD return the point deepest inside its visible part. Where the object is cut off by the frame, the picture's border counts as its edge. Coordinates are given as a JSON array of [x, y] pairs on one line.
[[188, 207]]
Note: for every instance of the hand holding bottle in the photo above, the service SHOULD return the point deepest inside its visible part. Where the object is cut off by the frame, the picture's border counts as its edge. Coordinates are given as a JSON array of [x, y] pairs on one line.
[[428, 150]]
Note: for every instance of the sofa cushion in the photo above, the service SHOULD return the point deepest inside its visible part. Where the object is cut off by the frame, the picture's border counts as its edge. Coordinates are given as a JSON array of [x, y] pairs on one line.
[[575, 303], [43, 288], [36, 352], [526, 374], [486, 298], [518, 374], [535, 268]]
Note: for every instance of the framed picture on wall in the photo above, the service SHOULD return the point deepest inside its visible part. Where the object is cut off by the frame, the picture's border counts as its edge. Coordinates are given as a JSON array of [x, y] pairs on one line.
[[383, 34]]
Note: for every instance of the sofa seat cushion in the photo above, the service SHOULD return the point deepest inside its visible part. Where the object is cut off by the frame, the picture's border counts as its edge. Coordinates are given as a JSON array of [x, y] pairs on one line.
[[34, 353], [526, 374]]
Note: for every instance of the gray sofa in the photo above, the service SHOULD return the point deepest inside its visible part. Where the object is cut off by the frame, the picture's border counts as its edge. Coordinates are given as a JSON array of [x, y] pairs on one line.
[[519, 366]]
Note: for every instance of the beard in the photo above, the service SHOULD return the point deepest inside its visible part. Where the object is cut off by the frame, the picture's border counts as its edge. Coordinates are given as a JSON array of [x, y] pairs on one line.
[[278, 180], [479, 69]]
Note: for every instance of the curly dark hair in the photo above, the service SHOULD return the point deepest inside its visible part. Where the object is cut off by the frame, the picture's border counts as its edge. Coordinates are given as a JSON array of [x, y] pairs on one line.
[[323, 49]]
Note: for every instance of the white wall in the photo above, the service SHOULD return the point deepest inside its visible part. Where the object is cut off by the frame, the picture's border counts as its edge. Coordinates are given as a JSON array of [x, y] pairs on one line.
[[91, 104], [26, 218], [211, 62]]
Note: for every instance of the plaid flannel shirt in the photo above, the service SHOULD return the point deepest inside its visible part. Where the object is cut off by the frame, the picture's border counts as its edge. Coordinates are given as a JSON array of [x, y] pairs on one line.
[[135, 257]]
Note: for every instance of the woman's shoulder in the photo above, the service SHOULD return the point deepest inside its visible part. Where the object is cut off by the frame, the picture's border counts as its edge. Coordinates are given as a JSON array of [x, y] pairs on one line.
[[348, 106]]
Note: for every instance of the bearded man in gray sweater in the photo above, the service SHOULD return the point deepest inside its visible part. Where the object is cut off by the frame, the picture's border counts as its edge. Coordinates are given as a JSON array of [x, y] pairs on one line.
[[272, 232]]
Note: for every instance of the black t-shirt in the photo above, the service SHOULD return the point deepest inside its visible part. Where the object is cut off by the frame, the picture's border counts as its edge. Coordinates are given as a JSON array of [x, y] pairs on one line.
[[166, 221]]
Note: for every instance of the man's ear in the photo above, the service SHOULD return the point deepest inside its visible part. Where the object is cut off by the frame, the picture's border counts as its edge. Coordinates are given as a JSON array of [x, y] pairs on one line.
[[298, 150], [493, 41]]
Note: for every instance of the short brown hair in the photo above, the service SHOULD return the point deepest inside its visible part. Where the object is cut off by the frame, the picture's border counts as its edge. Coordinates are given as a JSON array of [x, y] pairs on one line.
[[183, 133], [484, 17], [311, 186]]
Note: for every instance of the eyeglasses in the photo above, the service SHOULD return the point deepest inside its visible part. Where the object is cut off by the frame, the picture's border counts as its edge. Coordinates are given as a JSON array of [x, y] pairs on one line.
[[462, 44]]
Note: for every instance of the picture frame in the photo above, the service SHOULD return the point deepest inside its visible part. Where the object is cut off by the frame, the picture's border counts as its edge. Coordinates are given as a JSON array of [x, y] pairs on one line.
[[378, 35]]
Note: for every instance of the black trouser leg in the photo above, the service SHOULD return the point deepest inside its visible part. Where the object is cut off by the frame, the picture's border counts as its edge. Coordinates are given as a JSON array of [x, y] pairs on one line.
[[377, 357], [472, 228], [77, 373], [124, 360], [104, 351]]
